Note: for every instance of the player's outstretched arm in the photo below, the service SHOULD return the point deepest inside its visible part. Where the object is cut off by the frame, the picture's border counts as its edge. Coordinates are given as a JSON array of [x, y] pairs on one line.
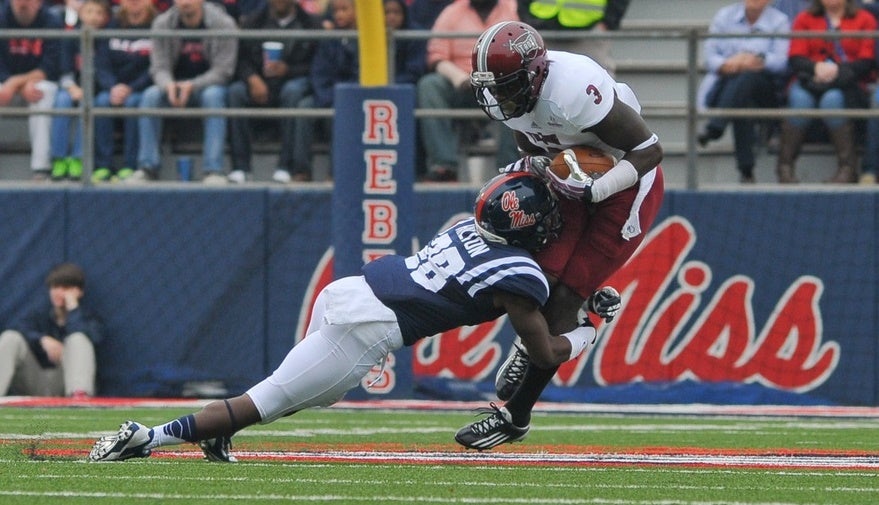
[[545, 350]]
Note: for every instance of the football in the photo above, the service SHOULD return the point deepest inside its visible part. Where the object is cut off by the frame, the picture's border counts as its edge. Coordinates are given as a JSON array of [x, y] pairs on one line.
[[592, 161]]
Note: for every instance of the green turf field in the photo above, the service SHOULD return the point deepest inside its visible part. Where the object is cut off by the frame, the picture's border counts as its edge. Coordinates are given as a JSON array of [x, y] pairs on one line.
[[354, 456]]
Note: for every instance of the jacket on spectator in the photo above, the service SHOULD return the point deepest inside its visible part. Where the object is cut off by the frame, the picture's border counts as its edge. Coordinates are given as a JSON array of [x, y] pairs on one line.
[[21, 55], [409, 64], [122, 60], [459, 16], [297, 53], [855, 56], [41, 322], [335, 61], [222, 52], [612, 17]]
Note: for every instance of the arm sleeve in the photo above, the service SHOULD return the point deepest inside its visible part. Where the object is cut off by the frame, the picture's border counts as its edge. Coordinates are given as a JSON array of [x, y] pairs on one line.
[[223, 53], [160, 62]]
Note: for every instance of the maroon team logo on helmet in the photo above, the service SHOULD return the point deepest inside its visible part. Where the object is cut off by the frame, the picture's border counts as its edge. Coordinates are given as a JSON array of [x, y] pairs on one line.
[[509, 66], [526, 46]]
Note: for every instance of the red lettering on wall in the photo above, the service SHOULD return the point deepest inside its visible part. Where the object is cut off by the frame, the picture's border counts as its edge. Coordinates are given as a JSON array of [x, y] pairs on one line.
[[380, 226], [380, 171], [672, 328], [380, 123], [475, 351]]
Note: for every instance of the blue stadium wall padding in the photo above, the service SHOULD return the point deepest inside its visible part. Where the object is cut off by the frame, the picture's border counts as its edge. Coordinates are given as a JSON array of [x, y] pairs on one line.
[[202, 285], [33, 238], [180, 277]]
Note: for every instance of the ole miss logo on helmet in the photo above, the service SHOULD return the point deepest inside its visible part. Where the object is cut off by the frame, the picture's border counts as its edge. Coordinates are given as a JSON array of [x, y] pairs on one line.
[[518, 218]]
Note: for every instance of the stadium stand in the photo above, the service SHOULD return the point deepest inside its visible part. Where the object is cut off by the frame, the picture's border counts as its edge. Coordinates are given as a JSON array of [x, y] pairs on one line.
[[651, 51]]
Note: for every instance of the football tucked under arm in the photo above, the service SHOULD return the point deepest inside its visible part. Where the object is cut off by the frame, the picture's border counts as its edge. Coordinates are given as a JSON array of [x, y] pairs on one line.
[[573, 171], [586, 160]]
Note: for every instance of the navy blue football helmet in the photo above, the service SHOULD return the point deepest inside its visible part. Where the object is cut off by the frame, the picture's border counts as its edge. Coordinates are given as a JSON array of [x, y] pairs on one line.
[[517, 209]]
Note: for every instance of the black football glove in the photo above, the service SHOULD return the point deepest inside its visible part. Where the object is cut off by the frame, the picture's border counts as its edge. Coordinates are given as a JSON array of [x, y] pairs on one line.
[[605, 302], [537, 165]]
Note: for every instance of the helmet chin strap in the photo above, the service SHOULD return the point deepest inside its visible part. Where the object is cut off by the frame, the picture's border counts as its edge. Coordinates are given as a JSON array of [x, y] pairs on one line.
[[487, 235]]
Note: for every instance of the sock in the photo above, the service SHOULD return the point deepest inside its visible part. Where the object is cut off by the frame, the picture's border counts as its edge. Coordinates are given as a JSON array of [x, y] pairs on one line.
[[175, 432], [523, 400]]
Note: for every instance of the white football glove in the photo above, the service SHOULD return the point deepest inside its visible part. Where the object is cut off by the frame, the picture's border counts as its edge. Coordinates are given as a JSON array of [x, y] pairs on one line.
[[577, 186], [537, 165], [605, 302]]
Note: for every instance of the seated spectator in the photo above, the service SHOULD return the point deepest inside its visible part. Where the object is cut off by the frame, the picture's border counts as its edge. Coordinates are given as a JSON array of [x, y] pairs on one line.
[[188, 72], [447, 85], [122, 68], [335, 61], [66, 154], [270, 82], [743, 73], [410, 53], [828, 74], [51, 351], [29, 71]]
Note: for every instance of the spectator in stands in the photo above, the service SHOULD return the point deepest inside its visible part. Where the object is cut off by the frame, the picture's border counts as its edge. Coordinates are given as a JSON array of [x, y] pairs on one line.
[[335, 61], [582, 15], [743, 73], [29, 71], [410, 53], [51, 351], [269, 82], [447, 83], [828, 74], [122, 68], [188, 72], [66, 133]]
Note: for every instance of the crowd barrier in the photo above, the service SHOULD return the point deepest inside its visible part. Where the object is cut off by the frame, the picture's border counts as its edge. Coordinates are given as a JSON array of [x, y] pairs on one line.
[[685, 110]]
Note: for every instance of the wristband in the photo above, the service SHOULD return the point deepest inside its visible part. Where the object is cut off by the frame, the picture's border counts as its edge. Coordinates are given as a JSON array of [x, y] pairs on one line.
[[623, 175], [579, 338]]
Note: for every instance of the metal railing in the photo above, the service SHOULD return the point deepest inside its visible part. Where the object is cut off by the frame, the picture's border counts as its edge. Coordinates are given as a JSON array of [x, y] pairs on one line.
[[688, 111]]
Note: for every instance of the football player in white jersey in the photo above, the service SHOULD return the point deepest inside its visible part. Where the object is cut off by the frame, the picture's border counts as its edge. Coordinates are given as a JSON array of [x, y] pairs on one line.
[[553, 101], [472, 272]]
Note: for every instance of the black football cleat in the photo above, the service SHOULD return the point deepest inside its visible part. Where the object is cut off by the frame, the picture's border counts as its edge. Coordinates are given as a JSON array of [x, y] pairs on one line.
[[218, 450], [494, 430]]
